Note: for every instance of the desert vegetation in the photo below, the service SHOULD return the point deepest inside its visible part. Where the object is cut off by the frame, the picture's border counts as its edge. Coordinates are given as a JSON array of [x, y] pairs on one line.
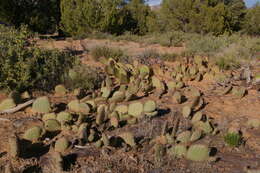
[[116, 86]]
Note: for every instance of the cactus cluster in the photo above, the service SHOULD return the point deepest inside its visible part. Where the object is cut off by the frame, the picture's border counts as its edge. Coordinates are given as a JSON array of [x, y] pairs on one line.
[[124, 100]]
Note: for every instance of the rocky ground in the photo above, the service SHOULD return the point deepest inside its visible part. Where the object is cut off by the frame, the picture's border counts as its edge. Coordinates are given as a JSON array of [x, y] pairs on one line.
[[151, 152]]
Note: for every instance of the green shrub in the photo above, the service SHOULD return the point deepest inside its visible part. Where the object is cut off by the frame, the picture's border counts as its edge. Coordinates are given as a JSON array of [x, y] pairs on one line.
[[84, 77], [233, 139], [106, 52], [245, 48], [24, 66], [207, 44], [252, 22]]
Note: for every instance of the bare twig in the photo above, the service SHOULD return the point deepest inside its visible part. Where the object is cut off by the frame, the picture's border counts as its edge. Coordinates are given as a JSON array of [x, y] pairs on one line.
[[17, 108]]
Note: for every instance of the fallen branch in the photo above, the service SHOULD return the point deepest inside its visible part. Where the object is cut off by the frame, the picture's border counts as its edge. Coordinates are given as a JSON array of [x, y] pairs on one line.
[[17, 108]]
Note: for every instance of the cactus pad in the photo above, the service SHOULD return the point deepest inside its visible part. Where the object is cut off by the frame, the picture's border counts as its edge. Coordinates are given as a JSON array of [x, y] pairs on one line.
[[101, 114], [196, 117], [128, 137], [41, 105], [178, 151], [33, 134], [118, 96], [52, 125], [60, 90], [121, 109], [49, 116], [196, 135], [7, 104], [64, 117], [78, 107], [184, 137], [253, 123], [204, 126], [149, 106], [198, 152], [177, 97], [61, 145], [186, 111], [135, 109]]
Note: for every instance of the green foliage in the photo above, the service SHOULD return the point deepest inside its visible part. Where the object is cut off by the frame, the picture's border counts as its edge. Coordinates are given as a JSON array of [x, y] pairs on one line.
[[233, 139], [252, 20], [80, 18], [107, 52], [215, 17], [24, 66], [208, 44], [40, 16], [93, 77], [140, 13]]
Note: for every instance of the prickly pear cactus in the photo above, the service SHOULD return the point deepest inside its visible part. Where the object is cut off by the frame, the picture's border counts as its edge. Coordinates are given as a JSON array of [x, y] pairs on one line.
[[101, 114], [128, 137], [105, 140], [105, 92], [7, 104], [186, 111], [144, 71], [198, 152], [253, 123], [118, 96], [122, 109], [171, 85], [64, 117], [61, 145], [257, 78], [184, 137], [41, 105], [49, 116], [196, 117], [76, 106], [135, 109], [196, 135], [33, 134], [52, 125], [114, 121], [178, 151], [149, 106], [60, 90], [239, 91], [177, 98], [206, 127]]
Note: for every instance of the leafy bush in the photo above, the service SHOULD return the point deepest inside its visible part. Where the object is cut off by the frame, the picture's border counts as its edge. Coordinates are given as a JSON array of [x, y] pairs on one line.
[[98, 52], [252, 21], [233, 139], [24, 66], [243, 49], [84, 77], [208, 44], [40, 16]]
